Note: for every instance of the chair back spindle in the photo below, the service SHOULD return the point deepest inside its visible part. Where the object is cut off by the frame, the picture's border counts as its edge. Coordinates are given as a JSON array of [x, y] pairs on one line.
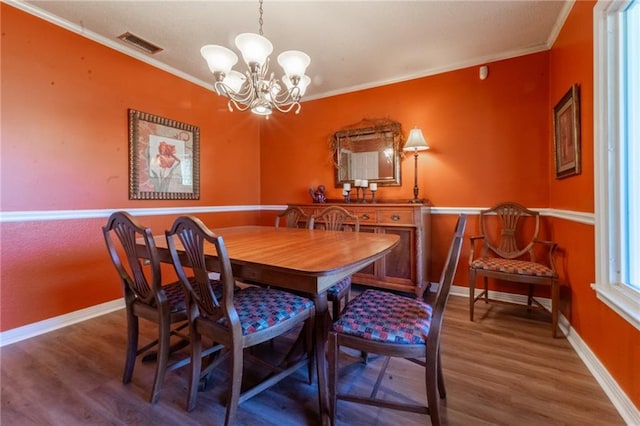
[[140, 283], [292, 217], [511, 217], [193, 235], [446, 281], [335, 218]]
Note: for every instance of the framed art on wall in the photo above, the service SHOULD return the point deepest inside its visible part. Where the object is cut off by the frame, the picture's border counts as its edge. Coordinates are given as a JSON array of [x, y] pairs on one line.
[[566, 138], [164, 158]]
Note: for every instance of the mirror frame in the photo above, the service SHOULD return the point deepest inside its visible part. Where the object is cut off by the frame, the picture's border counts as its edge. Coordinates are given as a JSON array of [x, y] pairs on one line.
[[385, 131]]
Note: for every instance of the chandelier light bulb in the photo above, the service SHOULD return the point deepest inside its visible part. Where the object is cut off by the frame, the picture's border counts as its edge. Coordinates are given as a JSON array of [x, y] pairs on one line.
[[262, 107]]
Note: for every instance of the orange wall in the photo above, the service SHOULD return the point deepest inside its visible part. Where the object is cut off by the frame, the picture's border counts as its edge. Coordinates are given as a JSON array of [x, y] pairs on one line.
[[488, 142], [488, 138], [613, 340], [65, 147]]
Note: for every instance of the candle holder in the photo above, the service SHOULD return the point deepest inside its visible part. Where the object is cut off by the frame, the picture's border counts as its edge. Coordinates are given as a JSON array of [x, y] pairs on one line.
[[347, 198], [373, 195], [357, 194], [364, 194]]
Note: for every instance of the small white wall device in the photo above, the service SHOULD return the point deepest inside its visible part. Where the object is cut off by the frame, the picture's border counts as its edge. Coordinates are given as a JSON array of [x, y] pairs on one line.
[[484, 72]]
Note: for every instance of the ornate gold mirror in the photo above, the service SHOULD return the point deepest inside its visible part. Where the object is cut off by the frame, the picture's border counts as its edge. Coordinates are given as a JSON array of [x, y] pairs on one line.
[[369, 150]]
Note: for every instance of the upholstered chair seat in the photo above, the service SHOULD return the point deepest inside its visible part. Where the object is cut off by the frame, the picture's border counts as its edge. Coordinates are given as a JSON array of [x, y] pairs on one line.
[[511, 266], [337, 289], [384, 317], [262, 308]]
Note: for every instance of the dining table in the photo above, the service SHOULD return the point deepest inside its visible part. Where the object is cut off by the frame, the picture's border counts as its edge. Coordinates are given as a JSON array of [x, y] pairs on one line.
[[309, 261]]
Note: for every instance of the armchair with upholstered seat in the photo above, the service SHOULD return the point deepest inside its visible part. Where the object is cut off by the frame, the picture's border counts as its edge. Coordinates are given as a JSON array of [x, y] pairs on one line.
[[510, 250]]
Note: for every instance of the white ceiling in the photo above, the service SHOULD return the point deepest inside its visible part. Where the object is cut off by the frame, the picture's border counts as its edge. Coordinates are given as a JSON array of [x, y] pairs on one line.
[[352, 44]]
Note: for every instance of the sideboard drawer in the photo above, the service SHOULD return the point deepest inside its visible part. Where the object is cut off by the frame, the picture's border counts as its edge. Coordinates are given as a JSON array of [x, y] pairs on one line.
[[366, 216], [399, 217]]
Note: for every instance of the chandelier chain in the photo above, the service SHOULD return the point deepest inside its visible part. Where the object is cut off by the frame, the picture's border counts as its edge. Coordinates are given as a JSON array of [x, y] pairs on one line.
[[260, 20]]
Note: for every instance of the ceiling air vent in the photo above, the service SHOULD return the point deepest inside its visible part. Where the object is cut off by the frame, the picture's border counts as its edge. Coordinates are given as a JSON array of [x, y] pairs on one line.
[[136, 41]]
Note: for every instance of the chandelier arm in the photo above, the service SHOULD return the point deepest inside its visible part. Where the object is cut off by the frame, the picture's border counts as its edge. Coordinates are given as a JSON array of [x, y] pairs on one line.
[[289, 107], [240, 107], [243, 97], [288, 96]]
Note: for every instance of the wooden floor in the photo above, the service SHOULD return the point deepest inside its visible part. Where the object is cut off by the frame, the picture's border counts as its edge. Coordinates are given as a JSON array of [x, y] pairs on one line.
[[502, 369]]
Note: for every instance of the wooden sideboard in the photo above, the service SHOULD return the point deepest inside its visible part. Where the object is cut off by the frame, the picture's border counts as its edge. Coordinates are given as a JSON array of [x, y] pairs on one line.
[[406, 268]]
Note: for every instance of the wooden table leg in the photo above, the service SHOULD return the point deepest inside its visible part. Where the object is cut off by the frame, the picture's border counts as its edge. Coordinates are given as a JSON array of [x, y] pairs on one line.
[[323, 321]]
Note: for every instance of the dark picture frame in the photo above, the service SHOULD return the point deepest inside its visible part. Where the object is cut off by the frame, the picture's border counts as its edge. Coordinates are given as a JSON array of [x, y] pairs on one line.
[[164, 158], [566, 140]]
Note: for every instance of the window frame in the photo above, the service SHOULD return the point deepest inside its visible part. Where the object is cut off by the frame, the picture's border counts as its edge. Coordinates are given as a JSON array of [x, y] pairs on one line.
[[608, 165]]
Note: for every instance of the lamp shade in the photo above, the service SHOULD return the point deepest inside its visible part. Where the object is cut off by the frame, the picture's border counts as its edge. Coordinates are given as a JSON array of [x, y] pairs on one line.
[[255, 48], [415, 141], [235, 80], [219, 58], [294, 62]]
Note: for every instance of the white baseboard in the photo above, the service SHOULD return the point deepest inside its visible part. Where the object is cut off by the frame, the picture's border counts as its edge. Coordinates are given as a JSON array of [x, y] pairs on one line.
[[619, 399], [31, 330]]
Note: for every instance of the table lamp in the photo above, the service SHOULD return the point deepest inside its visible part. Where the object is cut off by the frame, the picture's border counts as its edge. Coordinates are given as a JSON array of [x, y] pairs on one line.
[[415, 142]]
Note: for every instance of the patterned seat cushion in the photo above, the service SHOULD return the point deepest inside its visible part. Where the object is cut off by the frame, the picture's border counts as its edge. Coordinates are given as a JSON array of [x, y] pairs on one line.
[[260, 308], [175, 294], [337, 288], [386, 317], [512, 266]]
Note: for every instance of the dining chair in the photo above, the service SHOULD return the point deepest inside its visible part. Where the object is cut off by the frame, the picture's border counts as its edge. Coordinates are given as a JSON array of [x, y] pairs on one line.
[[234, 320], [145, 296], [509, 245], [336, 218], [396, 326], [292, 217]]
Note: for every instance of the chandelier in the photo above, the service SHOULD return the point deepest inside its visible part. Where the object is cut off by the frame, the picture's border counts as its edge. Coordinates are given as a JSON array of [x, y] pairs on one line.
[[255, 90]]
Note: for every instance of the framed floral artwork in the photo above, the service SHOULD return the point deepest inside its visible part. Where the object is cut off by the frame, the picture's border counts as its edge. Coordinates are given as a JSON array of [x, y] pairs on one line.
[[566, 137], [164, 158]]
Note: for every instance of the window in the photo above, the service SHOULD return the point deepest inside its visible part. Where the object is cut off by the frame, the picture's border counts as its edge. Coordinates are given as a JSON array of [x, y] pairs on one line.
[[617, 155]]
